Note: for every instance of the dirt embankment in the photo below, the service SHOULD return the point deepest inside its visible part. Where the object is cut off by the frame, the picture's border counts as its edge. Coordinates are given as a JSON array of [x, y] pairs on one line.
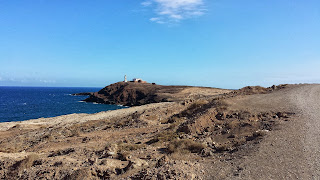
[[205, 133]]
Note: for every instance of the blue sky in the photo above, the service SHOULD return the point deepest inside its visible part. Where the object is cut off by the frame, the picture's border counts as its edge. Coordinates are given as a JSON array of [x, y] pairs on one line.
[[215, 43]]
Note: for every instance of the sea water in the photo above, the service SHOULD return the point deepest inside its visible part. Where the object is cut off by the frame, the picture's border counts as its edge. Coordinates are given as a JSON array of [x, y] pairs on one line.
[[23, 103]]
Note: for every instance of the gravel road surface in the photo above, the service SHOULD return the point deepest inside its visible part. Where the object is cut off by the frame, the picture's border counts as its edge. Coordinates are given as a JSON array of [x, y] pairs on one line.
[[293, 150]]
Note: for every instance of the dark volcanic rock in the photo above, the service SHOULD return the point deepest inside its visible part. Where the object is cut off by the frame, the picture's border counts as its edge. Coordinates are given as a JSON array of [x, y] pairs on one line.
[[135, 94], [83, 94]]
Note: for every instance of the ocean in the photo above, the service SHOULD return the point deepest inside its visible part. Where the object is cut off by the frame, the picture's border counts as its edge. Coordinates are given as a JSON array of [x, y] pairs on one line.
[[24, 103]]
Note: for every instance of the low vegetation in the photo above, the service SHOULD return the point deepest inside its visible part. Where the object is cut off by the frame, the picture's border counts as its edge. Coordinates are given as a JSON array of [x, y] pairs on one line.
[[184, 146]]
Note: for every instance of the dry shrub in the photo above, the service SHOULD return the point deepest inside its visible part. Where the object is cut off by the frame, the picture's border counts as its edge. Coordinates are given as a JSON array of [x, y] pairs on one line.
[[75, 132], [69, 132], [122, 123], [123, 150], [185, 145], [164, 121], [255, 135], [175, 119], [222, 147], [62, 152], [175, 122], [222, 106], [166, 136], [198, 104], [174, 125], [163, 137], [47, 137], [25, 163], [83, 173]]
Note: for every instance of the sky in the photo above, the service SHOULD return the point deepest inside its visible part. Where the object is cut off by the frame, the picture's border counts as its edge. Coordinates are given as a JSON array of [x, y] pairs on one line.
[[213, 43]]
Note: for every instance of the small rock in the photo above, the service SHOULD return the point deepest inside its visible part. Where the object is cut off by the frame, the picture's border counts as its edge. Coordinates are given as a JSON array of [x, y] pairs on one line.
[[206, 152], [282, 115], [220, 116], [58, 163], [137, 163], [162, 161], [92, 160], [110, 153]]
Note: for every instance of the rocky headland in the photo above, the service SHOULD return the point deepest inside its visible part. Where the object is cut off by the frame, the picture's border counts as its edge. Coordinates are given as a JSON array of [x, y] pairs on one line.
[[136, 94], [171, 132]]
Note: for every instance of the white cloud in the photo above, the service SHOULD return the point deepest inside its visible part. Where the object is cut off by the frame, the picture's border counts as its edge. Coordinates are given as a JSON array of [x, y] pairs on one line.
[[146, 3], [157, 20], [176, 16], [174, 10], [154, 19], [47, 81]]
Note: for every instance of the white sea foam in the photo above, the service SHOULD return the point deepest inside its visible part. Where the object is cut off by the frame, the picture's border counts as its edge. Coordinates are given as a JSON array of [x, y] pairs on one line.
[[122, 105]]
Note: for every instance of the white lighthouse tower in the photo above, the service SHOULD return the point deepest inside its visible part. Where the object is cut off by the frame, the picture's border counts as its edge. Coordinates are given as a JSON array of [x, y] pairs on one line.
[[125, 78]]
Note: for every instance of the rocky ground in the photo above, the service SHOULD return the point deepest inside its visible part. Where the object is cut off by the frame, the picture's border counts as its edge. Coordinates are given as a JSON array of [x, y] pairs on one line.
[[201, 133]]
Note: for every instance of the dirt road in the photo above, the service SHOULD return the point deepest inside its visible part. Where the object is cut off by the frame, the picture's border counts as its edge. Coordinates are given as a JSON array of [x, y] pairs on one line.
[[293, 151], [308, 101]]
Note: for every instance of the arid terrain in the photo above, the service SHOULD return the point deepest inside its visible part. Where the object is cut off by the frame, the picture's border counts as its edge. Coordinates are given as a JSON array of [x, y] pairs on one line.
[[173, 132]]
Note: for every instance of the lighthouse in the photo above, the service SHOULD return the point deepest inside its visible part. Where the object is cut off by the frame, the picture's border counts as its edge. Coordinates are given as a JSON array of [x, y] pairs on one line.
[[125, 78]]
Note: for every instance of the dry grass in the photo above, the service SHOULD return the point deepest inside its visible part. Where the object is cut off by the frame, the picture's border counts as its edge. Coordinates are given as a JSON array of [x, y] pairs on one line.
[[222, 105], [185, 145], [164, 137]]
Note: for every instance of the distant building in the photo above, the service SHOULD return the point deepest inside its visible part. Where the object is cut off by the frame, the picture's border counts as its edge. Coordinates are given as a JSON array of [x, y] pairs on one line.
[[138, 80]]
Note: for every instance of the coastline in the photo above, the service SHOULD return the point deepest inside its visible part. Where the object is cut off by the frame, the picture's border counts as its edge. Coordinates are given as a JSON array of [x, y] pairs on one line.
[[70, 119]]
